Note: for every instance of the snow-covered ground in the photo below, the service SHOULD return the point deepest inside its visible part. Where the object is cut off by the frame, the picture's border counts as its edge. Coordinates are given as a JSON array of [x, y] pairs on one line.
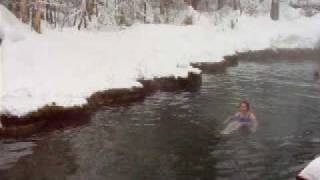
[[306, 2], [311, 171], [68, 66]]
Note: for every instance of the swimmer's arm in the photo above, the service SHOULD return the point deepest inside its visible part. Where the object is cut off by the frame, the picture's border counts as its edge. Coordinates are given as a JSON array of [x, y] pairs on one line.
[[230, 118], [254, 121]]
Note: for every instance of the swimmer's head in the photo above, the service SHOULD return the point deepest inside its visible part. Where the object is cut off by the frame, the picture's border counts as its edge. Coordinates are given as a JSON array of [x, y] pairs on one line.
[[244, 106]]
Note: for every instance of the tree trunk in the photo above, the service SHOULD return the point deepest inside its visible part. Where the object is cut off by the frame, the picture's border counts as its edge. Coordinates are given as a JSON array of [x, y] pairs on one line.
[[235, 4], [13, 5], [274, 14], [145, 12], [164, 9], [79, 25], [50, 14], [90, 9], [56, 10], [47, 12], [220, 4], [83, 20], [189, 2], [37, 17], [55, 16], [96, 7], [195, 4], [207, 5], [116, 8], [163, 6], [83, 15], [75, 20], [10, 6], [24, 11]]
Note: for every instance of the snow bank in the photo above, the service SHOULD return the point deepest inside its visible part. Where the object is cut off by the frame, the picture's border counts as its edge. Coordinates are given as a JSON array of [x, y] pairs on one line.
[[311, 172], [10, 27], [67, 67], [260, 33], [306, 2]]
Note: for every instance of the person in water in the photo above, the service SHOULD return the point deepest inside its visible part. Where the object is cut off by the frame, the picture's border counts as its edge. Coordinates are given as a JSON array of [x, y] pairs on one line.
[[242, 119]]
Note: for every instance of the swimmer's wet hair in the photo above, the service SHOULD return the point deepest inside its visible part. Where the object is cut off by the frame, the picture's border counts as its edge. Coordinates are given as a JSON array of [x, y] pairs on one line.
[[246, 103]]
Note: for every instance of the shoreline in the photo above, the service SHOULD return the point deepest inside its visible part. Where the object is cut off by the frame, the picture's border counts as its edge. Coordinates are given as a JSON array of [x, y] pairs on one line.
[[52, 117]]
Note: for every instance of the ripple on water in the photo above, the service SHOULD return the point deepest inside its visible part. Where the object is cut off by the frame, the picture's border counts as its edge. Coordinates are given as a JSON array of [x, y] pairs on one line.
[[12, 150]]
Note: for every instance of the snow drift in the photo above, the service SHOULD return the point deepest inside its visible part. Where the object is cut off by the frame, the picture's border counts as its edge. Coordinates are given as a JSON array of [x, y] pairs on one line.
[[10, 26]]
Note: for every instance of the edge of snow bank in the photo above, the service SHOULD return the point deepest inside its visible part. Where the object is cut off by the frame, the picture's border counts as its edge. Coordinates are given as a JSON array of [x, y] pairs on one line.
[[52, 116]]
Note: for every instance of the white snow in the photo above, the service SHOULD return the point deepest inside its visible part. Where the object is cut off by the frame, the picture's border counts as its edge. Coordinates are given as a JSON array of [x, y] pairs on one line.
[[311, 172], [306, 2], [67, 67], [10, 27]]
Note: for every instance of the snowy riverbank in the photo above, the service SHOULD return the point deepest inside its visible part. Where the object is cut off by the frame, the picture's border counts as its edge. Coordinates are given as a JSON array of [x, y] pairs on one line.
[[67, 67]]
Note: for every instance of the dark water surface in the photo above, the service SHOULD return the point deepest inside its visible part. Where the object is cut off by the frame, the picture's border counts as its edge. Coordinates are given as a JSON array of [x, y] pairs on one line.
[[176, 135]]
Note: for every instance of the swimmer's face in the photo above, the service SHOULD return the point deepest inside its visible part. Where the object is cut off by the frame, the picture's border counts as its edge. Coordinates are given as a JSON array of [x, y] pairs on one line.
[[243, 107]]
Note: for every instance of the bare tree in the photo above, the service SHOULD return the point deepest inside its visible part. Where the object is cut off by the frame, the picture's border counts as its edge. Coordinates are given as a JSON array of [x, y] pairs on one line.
[[36, 16], [195, 3], [274, 14], [145, 11], [83, 15], [236, 4], [24, 11], [13, 7], [163, 6], [220, 4]]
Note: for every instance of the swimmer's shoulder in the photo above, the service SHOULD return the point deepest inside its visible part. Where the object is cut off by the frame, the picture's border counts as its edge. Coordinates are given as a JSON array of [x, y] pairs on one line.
[[252, 115], [237, 114]]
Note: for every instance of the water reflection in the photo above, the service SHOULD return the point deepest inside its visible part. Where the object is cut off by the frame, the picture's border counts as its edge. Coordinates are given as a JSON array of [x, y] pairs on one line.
[[157, 139], [50, 159], [11, 150]]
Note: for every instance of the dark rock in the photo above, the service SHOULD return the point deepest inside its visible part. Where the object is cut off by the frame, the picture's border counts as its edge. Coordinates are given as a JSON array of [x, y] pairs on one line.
[[207, 67], [231, 60], [21, 130], [150, 86], [116, 97], [192, 82], [46, 118], [216, 67]]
